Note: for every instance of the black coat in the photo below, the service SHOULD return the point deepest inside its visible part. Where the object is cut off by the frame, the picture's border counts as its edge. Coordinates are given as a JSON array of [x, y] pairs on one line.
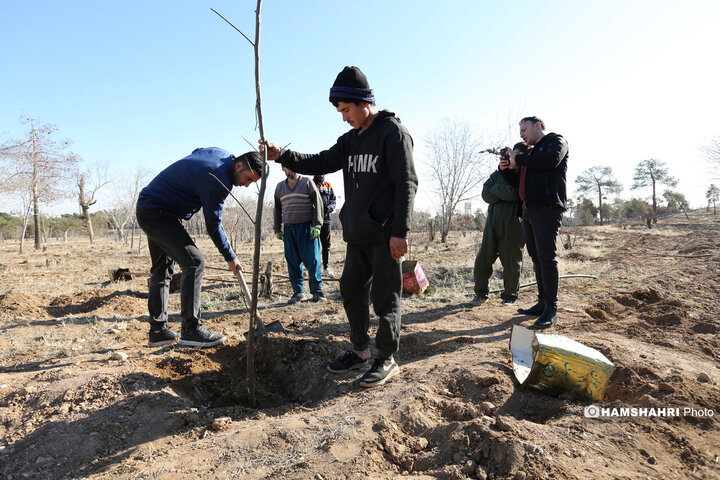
[[545, 184]]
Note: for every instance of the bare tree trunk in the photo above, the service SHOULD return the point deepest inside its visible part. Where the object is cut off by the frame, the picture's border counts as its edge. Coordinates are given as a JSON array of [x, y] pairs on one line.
[[654, 205], [600, 203]]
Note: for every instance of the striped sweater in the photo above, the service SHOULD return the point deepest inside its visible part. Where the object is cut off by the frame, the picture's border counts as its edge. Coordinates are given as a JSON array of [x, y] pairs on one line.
[[299, 204]]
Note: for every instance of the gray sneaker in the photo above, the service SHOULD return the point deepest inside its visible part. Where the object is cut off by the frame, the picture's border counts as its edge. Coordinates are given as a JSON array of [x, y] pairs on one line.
[[162, 337], [318, 297], [200, 337], [476, 301], [298, 297], [382, 370]]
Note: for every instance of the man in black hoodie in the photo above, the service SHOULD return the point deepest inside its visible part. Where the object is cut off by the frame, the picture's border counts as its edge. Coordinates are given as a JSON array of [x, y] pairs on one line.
[[541, 203], [380, 183]]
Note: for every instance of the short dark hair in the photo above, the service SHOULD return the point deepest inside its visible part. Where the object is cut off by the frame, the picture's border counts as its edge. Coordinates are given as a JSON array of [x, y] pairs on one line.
[[521, 147], [251, 160], [336, 100], [534, 120]]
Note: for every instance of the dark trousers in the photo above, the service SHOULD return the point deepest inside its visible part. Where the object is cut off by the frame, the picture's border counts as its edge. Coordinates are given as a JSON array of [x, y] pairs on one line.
[[325, 243], [541, 226], [371, 272], [301, 249], [169, 243]]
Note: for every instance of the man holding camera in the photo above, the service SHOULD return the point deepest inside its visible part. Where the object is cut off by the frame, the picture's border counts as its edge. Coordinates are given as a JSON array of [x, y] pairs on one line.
[[502, 236], [541, 202]]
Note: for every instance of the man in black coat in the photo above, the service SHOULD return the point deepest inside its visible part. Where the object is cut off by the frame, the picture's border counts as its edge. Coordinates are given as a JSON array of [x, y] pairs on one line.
[[541, 202]]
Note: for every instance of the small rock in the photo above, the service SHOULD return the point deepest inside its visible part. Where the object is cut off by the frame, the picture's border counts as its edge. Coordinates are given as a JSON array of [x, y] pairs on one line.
[[480, 473], [319, 477], [490, 380], [469, 467], [221, 423], [666, 387], [704, 377], [488, 407], [519, 476], [121, 356], [419, 443], [503, 424]]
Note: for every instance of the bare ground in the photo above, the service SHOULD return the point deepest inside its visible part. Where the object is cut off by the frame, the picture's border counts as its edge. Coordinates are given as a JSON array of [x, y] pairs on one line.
[[67, 410]]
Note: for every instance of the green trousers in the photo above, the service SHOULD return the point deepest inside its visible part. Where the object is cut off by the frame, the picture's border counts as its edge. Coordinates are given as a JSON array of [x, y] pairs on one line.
[[502, 237]]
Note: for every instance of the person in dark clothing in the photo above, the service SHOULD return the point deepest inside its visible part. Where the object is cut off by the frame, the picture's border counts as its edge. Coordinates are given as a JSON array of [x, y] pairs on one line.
[[502, 237], [328, 198], [298, 208], [380, 184], [541, 202], [175, 194]]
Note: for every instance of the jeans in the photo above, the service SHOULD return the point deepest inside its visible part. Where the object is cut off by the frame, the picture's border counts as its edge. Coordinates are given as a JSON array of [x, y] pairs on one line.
[[301, 249], [169, 243]]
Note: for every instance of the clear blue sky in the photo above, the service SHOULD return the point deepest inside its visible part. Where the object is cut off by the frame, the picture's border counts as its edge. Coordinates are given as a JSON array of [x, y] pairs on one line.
[[136, 83]]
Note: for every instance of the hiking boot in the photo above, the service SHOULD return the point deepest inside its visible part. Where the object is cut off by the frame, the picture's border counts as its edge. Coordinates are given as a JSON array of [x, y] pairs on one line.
[[200, 337], [319, 297], [162, 337], [297, 297], [536, 309], [546, 320], [381, 371], [349, 361], [508, 303], [327, 271], [476, 301]]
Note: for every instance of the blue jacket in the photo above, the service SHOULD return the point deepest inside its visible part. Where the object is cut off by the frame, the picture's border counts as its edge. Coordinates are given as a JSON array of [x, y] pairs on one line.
[[186, 186]]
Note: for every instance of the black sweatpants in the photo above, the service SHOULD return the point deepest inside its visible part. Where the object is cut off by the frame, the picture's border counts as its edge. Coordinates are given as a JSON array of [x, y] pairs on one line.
[[371, 267], [541, 226], [325, 243]]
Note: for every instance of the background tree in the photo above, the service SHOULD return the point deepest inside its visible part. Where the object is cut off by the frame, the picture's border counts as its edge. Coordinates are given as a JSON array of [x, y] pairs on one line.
[[585, 212], [649, 173], [125, 194], [713, 195], [39, 169], [88, 182], [676, 202], [455, 168], [601, 181]]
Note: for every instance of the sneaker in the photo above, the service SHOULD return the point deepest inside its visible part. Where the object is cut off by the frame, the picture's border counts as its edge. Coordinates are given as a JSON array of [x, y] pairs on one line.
[[546, 320], [319, 297], [162, 337], [349, 361], [536, 309], [476, 301], [508, 303], [200, 337], [327, 271], [298, 297], [381, 371]]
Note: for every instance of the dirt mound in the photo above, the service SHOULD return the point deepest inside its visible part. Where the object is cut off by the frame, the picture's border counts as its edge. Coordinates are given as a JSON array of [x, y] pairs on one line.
[[20, 303], [100, 302]]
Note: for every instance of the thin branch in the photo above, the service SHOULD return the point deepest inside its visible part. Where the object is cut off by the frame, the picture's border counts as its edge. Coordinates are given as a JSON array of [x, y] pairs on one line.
[[233, 26], [231, 194]]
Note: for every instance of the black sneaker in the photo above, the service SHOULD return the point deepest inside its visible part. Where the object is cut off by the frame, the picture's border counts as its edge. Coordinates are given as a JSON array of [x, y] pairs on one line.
[[381, 371], [508, 303], [319, 297], [476, 301], [162, 337], [536, 309], [298, 297], [200, 337], [349, 361]]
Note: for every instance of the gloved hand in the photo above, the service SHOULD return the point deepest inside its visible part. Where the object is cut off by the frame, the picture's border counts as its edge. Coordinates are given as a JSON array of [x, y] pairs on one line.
[[314, 232], [280, 236]]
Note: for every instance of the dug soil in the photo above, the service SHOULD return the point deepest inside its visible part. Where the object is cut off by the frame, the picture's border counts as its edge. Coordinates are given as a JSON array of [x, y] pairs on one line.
[[82, 396]]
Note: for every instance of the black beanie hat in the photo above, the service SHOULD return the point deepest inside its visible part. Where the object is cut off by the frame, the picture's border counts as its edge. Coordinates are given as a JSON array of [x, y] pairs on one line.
[[351, 84]]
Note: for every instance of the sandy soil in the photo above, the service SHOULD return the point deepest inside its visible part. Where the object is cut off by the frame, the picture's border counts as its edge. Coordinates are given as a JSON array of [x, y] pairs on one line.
[[69, 410]]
